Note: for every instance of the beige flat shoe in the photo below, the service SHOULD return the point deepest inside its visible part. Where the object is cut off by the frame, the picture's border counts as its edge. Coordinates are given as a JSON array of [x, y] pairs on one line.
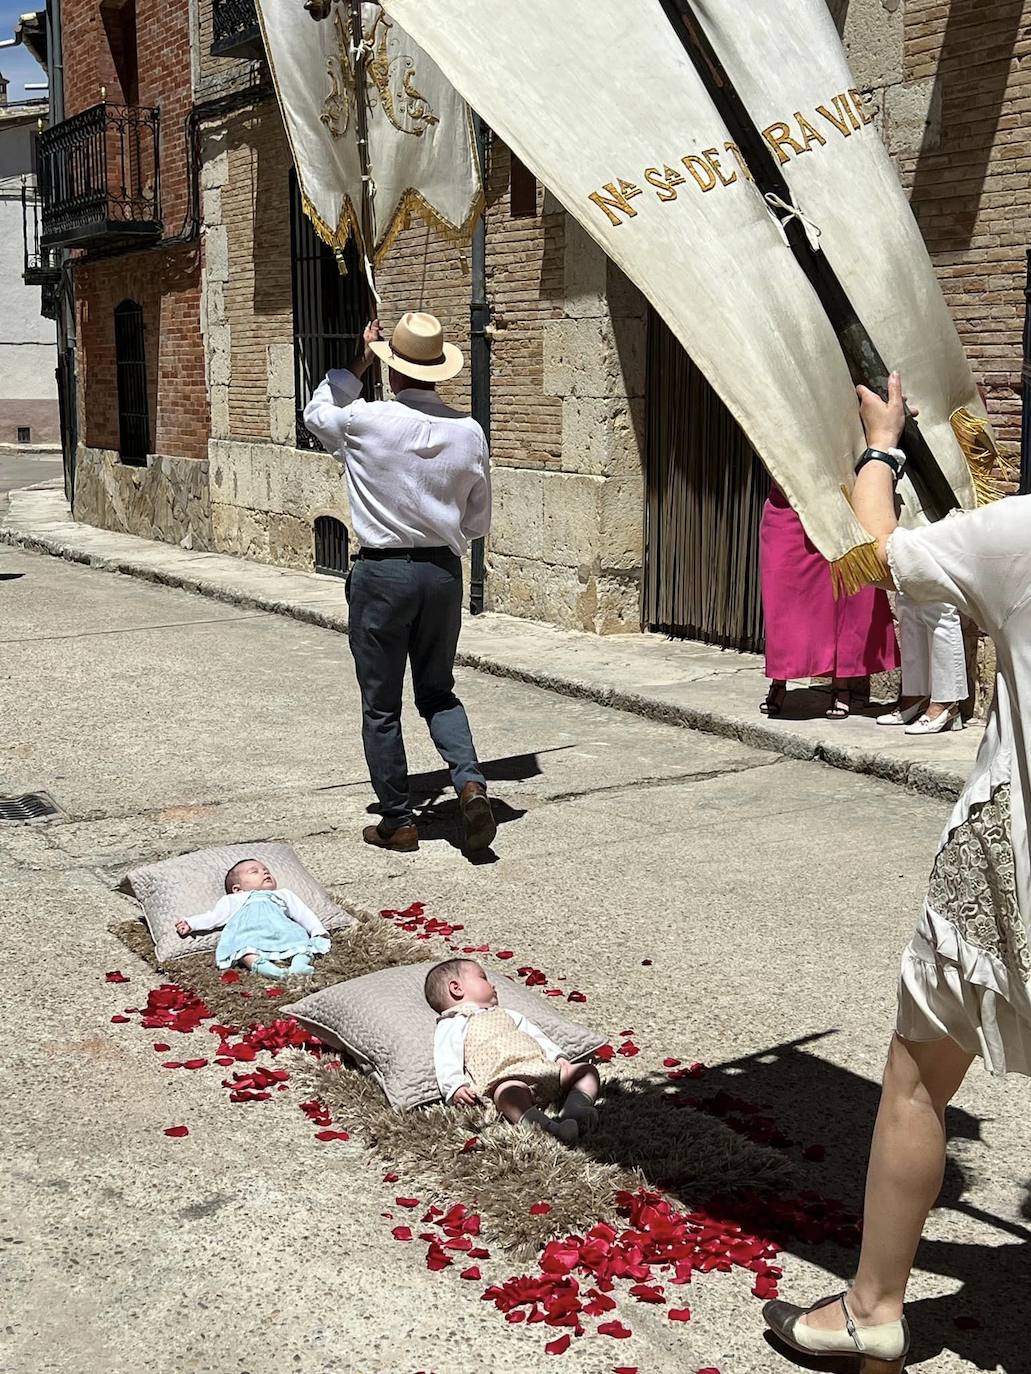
[[872, 1349]]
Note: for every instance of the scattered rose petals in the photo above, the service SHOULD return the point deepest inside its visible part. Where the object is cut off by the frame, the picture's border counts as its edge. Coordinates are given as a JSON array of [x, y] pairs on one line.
[[473, 1272], [231, 975], [436, 1257], [626, 1368], [670, 1063], [540, 1209], [273, 992], [628, 1049], [161, 1047], [616, 1330], [558, 1346], [604, 1053], [407, 1201], [679, 1314], [177, 1132], [119, 1020], [195, 1063], [402, 1233], [503, 954], [553, 992], [470, 1145], [171, 1064], [331, 1135], [645, 1292], [576, 996], [391, 1178], [115, 977]]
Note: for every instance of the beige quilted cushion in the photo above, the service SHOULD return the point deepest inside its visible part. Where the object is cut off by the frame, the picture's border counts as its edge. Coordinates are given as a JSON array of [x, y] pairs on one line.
[[384, 1022], [173, 889]]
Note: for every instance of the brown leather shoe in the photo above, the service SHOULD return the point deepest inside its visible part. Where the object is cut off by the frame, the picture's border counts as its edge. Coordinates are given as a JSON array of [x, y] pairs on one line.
[[402, 840], [477, 817]]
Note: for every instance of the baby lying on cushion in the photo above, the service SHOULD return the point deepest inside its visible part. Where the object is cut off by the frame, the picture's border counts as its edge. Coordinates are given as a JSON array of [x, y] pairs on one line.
[[262, 925], [483, 1052]]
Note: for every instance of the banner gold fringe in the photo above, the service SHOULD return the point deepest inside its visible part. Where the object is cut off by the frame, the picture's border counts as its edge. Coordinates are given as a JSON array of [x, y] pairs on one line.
[[988, 469], [860, 567], [411, 202]]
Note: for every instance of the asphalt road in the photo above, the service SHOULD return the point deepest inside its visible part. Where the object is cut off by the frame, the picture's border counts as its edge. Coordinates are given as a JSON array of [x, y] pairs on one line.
[[769, 897]]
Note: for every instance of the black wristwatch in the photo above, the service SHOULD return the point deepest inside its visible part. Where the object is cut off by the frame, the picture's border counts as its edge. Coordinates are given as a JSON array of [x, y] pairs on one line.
[[894, 457]]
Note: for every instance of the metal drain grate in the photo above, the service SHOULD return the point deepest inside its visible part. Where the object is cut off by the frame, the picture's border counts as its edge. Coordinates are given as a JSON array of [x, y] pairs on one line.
[[31, 806]]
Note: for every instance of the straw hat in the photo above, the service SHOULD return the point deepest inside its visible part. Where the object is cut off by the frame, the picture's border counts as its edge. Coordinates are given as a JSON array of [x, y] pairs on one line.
[[417, 349]]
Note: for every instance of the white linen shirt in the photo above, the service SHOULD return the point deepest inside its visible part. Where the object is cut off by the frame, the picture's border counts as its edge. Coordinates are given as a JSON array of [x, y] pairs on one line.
[[418, 472], [227, 907], [449, 1046]]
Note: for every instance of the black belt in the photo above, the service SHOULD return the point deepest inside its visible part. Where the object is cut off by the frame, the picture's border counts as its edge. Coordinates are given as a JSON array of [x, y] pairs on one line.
[[420, 555]]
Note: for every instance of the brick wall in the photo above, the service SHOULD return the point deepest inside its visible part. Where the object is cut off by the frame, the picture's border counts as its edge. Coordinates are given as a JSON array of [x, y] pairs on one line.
[[167, 285], [969, 175]]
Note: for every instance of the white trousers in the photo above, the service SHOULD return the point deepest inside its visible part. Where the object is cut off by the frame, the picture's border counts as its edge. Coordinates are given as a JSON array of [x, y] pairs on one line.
[[934, 661]]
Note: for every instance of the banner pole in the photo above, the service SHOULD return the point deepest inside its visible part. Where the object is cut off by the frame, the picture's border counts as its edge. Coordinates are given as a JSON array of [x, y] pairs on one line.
[[864, 363], [360, 55]]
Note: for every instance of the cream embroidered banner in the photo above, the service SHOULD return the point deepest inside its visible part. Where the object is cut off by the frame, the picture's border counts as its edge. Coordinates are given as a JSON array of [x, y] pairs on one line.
[[600, 100], [422, 153]]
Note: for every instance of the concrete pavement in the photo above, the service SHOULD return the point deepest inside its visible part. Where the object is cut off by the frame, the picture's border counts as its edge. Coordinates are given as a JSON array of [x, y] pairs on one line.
[[771, 896], [680, 682]]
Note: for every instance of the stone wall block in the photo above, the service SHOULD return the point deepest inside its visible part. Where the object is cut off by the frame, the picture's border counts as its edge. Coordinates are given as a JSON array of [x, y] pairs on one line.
[[584, 274], [536, 591], [621, 523], [594, 358], [572, 519], [624, 299], [874, 35], [281, 370], [216, 252], [214, 172], [220, 412], [603, 437], [282, 420], [913, 118], [517, 520], [619, 604]]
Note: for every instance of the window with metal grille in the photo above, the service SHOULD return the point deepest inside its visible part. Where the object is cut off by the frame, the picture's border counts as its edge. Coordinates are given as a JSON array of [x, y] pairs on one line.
[[330, 546], [131, 365], [331, 309], [24, 434]]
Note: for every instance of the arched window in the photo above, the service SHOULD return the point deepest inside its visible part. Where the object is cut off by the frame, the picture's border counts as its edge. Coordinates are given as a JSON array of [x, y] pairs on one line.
[[330, 546], [131, 365]]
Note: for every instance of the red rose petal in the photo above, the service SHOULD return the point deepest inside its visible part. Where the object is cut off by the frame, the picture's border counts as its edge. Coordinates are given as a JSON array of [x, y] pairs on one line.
[[646, 963], [559, 1346], [626, 1032], [273, 992], [470, 1144], [503, 954], [407, 1201], [679, 1314], [171, 1064], [628, 1049], [645, 1292], [177, 1132], [670, 1063], [195, 1064], [231, 975], [331, 1135], [162, 1048], [473, 1272], [402, 1233], [630, 1368], [119, 1020], [616, 1330], [576, 996], [391, 1178], [540, 1209], [225, 1061], [604, 1053], [115, 977], [552, 992]]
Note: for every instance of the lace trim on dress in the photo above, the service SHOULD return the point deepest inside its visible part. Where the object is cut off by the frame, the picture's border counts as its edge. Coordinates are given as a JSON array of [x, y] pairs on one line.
[[973, 884]]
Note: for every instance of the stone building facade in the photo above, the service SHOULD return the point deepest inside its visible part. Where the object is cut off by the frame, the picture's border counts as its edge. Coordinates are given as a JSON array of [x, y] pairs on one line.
[[570, 338]]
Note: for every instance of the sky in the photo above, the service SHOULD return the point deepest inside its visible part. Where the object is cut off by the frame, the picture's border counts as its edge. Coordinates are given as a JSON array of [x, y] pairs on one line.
[[18, 64]]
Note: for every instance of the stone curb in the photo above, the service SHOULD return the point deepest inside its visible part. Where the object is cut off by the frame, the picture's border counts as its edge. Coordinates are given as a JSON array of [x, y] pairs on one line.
[[925, 778]]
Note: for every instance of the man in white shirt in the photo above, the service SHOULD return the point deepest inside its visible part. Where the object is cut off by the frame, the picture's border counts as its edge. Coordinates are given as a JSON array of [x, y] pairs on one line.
[[418, 480]]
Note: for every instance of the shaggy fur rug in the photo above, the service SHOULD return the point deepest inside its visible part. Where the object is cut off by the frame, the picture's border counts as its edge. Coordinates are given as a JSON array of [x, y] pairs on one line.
[[642, 1137]]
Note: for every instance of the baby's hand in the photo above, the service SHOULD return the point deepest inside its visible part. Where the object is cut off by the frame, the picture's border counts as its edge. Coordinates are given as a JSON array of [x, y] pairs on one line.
[[182, 929], [465, 1097]]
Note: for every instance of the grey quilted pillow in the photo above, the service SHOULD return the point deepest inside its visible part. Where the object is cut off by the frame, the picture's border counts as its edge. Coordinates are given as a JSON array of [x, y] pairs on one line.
[[173, 889], [384, 1022]]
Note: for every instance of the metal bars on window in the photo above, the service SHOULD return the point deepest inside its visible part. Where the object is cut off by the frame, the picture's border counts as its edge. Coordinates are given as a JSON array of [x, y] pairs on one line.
[[330, 308], [131, 365]]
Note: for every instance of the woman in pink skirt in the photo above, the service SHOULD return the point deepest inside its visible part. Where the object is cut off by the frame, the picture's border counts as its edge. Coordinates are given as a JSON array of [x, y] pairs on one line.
[[808, 633]]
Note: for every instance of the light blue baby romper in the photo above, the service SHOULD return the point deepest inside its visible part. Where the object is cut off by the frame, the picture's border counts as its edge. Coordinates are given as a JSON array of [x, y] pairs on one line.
[[261, 926]]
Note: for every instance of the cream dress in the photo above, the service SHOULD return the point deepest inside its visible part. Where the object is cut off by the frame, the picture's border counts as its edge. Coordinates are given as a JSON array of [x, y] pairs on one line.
[[966, 971]]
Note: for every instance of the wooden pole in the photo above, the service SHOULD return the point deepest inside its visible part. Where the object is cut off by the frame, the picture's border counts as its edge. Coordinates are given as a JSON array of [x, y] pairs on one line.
[[361, 109], [865, 364]]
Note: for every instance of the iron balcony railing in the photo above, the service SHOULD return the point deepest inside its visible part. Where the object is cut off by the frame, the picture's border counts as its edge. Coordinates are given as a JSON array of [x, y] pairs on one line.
[[98, 178], [235, 29], [41, 267]]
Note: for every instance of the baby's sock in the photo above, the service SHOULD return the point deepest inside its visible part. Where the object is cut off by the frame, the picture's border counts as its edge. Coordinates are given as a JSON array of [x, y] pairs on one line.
[[300, 963], [567, 1131], [268, 969], [580, 1108]]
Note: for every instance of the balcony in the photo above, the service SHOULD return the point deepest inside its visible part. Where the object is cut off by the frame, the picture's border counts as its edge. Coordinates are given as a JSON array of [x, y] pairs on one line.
[[235, 30], [98, 182], [41, 267]]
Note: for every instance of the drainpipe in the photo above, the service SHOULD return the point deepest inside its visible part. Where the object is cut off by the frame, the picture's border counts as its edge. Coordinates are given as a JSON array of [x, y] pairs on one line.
[[1025, 390], [479, 349], [66, 341]]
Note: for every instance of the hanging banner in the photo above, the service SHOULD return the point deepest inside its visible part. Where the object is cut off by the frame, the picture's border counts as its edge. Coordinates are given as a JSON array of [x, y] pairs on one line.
[[422, 153], [601, 101]]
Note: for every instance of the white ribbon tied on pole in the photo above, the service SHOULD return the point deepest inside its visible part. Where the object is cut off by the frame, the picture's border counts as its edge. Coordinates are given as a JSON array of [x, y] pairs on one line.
[[601, 101], [422, 152]]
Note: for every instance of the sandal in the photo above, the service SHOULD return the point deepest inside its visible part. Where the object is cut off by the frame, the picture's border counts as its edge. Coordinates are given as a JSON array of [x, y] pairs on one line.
[[774, 703], [841, 704]]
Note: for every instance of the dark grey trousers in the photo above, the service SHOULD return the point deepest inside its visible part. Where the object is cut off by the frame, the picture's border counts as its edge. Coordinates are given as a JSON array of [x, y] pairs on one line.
[[403, 609]]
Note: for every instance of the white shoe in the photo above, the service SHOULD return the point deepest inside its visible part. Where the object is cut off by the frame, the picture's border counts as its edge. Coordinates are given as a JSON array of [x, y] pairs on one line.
[[900, 716], [873, 1349], [948, 720]]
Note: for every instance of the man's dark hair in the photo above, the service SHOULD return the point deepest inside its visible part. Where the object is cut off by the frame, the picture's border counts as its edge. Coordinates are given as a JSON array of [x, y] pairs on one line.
[[437, 980], [230, 875]]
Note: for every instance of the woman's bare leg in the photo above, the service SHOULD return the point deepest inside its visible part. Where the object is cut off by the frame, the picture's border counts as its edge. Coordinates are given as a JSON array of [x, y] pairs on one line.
[[907, 1164]]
